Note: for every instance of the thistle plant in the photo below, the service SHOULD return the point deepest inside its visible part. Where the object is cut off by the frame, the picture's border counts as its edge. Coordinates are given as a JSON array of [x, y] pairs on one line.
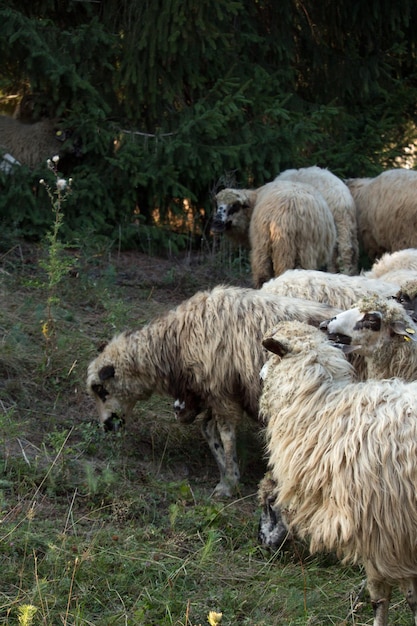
[[55, 265]]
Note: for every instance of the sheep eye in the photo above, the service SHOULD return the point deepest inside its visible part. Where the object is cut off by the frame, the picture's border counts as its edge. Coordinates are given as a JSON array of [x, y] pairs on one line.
[[100, 391], [403, 298], [370, 321], [235, 208]]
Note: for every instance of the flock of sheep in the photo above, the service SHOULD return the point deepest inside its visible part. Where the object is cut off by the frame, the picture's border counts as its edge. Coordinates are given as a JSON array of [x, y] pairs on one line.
[[325, 361]]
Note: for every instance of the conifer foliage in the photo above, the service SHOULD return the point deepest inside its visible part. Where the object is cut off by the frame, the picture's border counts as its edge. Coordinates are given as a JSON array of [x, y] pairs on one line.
[[162, 101]]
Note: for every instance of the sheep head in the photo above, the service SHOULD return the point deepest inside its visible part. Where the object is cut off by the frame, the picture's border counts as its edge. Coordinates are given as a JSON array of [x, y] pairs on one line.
[[407, 296], [233, 210], [369, 325], [116, 383]]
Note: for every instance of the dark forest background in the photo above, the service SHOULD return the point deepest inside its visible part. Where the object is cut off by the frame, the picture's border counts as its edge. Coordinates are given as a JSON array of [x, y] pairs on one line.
[[167, 100]]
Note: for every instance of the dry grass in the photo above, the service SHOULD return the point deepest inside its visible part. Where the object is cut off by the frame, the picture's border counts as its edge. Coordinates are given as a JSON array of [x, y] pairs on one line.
[[101, 529]]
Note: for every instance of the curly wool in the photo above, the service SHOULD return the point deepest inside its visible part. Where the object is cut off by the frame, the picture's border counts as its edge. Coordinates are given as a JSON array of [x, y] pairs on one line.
[[285, 225], [343, 453], [386, 211], [339, 290], [209, 348], [342, 206]]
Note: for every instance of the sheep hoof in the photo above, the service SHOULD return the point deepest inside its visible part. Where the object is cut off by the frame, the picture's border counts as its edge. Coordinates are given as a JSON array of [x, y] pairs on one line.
[[222, 491], [273, 533]]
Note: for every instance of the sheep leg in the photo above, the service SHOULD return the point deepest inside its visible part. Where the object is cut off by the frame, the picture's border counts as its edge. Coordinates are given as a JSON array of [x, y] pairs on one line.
[[227, 430], [380, 593], [409, 588], [211, 435], [220, 435]]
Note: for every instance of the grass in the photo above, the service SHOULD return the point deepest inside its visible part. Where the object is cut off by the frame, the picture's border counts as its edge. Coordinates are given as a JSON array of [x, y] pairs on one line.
[[102, 529]]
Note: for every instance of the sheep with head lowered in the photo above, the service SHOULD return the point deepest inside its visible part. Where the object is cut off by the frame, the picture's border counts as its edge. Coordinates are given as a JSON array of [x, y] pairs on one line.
[[208, 349], [342, 454], [285, 224], [386, 208], [342, 206]]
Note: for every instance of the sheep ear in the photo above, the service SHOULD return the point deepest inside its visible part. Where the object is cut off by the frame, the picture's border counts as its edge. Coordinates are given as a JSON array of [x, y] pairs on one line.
[[106, 372], [275, 346], [408, 333]]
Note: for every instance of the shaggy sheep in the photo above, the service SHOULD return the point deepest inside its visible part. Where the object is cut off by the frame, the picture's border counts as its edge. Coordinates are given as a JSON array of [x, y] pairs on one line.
[[386, 211], [383, 332], [342, 206], [390, 262], [29, 144], [190, 352], [289, 225], [378, 333], [339, 290], [343, 457]]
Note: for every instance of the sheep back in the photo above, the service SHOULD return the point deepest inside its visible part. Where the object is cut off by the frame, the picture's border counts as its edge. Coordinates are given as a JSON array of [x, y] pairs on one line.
[[339, 290], [291, 226], [342, 206], [386, 209]]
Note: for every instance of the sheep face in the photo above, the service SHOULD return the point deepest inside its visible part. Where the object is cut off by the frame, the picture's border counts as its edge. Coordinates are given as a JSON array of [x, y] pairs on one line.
[[408, 299], [232, 213], [116, 383], [363, 330], [114, 404]]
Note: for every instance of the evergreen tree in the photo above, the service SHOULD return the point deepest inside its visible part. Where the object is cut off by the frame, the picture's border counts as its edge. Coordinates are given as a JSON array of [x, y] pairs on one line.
[[170, 98]]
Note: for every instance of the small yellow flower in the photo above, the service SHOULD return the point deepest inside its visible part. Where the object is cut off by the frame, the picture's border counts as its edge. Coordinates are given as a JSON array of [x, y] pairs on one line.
[[45, 330], [26, 614], [214, 618]]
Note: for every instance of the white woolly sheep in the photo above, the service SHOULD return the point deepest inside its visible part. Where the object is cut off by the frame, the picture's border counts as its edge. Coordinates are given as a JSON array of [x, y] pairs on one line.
[[342, 206], [378, 334], [29, 144], [191, 352], [386, 209], [339, 290], [289, 224], [343, 457], [391, 262], [383, 332]]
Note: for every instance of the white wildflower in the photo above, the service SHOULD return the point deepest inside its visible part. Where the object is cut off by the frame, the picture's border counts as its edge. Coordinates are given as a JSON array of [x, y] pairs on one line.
[[55, 158], [61, 184]]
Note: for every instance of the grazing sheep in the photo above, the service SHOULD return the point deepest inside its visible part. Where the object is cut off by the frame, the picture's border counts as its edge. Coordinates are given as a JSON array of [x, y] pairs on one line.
[[339, 290], [29, 144], [383, 332], [190, 352], [342, 206], [289, 224], [343, 456], [386, 211]]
